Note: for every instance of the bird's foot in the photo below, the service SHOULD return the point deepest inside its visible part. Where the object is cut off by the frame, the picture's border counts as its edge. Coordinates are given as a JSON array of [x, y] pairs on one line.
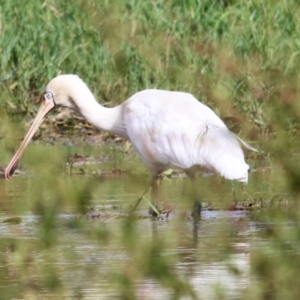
[[154, 211]]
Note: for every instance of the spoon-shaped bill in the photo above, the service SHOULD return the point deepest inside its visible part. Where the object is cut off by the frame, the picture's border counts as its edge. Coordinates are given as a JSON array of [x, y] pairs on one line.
[[43, 111]]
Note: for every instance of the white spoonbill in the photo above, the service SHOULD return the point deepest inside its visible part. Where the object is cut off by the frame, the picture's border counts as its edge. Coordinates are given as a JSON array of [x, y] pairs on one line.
[[168, 129]]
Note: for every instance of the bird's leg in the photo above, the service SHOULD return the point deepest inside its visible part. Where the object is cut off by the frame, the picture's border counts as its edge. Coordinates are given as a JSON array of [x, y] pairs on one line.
[[154, 195], [197, 207], [153, 210], [139, 200]]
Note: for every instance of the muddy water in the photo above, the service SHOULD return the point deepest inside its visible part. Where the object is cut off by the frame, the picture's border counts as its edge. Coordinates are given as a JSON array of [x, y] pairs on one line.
[[53, 245]]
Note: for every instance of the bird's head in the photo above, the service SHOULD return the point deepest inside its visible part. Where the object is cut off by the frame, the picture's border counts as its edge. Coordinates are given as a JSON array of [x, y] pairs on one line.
[[60, 91], [63, 89]]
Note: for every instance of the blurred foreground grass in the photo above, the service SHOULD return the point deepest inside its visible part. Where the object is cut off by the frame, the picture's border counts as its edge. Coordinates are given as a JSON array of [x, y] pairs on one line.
[[239, 57]]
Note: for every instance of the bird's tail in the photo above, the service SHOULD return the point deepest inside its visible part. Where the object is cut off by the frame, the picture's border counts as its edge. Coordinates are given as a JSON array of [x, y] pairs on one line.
[[220, 149], [247, 146]]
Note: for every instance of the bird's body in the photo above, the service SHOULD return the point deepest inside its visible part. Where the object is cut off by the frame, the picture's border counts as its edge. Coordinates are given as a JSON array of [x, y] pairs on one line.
[[175, 130], [168, 129]]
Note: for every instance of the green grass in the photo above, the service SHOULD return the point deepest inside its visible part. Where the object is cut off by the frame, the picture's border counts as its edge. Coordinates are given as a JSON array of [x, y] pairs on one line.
[[227, 53], [239, 57]]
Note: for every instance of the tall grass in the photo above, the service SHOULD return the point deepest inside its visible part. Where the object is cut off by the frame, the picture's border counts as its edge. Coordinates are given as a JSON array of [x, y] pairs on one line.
[[227, 53], [239, 57]]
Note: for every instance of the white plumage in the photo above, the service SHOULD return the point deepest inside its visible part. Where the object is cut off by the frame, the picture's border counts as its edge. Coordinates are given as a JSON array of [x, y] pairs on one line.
[[168, 129], [173, 129]]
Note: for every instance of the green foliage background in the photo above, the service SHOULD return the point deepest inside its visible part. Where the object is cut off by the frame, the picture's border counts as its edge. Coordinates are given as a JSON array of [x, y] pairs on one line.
[[239, 57], [240, 53]]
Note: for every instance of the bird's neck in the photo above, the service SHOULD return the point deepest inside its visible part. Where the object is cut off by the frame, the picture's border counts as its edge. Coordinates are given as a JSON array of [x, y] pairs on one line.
[[103, 118]]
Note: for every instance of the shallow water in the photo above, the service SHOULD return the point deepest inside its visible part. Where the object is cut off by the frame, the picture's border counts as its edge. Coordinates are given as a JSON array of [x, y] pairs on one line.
[[52, 247], [77, 256]]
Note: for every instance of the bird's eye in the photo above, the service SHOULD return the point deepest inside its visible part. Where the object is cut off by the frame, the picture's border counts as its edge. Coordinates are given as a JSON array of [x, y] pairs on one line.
[[48, 96]]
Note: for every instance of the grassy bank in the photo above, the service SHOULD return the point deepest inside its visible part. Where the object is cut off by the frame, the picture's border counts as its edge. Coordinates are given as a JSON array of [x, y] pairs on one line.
[[238, 57]]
